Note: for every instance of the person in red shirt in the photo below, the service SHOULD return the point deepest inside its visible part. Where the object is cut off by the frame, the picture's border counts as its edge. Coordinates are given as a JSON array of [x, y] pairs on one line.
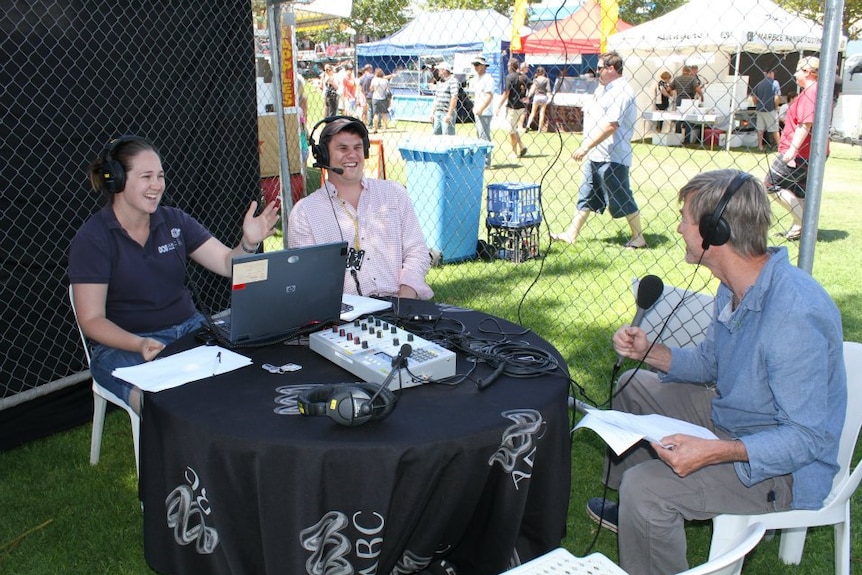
[[788, 175], [351, 106]]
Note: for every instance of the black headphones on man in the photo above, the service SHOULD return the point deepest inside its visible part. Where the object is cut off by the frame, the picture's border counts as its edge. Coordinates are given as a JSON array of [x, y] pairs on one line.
[[714, 229], [320, 151], [113, 172], [349, 404]]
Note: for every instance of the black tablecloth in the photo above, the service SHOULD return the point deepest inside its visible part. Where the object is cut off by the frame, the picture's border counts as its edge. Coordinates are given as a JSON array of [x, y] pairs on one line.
[[233, 480]]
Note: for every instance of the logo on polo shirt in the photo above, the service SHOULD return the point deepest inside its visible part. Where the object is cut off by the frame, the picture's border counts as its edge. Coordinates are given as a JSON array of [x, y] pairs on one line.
[[176, 234]]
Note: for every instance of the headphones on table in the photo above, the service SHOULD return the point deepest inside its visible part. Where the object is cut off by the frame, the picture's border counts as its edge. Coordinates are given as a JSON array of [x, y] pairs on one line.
[[320, 150], [714, 229], [349, 404], [113, 172]]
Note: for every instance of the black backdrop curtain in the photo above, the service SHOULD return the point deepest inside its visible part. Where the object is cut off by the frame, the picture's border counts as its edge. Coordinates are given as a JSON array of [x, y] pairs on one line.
[[73, 74]]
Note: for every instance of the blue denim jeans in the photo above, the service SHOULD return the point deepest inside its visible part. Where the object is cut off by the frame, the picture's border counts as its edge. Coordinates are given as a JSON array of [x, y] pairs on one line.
[[441, 126], [483, 132], [104, 360], [606, 185]]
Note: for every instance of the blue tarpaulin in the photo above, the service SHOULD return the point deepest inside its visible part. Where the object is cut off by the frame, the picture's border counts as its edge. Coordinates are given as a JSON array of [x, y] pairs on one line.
[[444, 32]]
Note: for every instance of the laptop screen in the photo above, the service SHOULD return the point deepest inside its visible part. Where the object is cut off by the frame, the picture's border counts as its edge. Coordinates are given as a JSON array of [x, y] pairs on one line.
[[276, 293]]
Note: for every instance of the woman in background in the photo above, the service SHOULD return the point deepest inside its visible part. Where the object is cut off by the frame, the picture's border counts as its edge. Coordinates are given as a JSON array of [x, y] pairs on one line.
[[539, 94], [380, 99], [663, 94]]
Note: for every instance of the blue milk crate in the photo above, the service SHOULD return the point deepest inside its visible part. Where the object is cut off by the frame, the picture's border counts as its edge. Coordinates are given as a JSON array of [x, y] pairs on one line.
[[514, 205]]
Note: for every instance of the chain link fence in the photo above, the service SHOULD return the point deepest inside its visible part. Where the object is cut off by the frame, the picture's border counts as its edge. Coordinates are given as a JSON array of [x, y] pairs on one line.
[[188, 76], [74, 75]]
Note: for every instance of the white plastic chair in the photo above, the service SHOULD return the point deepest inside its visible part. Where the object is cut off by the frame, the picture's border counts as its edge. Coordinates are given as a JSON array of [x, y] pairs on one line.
[[101, 397], [730, 561], [836, 510], [561, 562], [687, 327]]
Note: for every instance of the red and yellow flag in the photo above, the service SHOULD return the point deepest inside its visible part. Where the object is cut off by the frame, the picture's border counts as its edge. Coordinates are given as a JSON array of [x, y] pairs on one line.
[[610, 15], [519, 19]]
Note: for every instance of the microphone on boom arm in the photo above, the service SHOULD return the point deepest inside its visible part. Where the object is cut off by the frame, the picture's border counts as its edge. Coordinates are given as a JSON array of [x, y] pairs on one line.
[[338, 171], [398, 362]]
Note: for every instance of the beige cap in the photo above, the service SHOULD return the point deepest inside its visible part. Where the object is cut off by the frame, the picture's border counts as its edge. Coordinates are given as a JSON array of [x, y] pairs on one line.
[[810, 62], [479, 60], [444, 66]]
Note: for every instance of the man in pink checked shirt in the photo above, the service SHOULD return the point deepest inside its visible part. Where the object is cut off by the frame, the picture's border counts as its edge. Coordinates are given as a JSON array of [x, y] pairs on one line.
[[388, 255]]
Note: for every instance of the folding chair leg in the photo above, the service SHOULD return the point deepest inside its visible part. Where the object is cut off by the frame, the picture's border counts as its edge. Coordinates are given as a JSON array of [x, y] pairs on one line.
[[792, 544], [136, 439], [99, 407], [842, 544]]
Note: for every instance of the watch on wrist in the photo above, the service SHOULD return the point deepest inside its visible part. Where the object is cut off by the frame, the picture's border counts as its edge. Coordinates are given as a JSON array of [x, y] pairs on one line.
[[248, 250]]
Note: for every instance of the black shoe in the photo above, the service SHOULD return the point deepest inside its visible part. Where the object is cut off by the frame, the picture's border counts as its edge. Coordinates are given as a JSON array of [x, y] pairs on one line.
[[604, 512]]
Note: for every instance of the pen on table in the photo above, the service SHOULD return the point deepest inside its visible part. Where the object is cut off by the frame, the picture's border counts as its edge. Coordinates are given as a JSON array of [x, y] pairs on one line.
[[216, 362]]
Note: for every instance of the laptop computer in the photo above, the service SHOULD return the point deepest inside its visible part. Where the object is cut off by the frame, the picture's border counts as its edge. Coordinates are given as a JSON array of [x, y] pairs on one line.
[[278, 293]]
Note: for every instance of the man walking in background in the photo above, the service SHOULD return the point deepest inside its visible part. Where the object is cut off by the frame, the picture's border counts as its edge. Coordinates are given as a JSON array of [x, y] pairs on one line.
[[365, 87], [483, 95], [513, 101], [609, 123], [445, 107], [766, 96]]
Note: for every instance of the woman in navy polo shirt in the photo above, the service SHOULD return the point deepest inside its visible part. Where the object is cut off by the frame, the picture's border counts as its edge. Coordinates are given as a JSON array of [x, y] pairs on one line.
[[127, 263]]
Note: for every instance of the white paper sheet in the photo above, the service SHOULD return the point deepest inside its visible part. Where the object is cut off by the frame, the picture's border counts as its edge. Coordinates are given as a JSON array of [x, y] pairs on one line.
[[181, 368], [621, 430], [362, 305]]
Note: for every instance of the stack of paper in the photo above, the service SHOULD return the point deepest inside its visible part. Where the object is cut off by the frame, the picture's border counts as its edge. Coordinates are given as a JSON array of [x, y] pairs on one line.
[[175, 370], [621, 430]]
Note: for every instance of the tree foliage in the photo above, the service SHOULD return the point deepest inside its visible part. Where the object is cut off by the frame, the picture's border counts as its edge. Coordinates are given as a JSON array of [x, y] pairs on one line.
[[504, 7], [851, 21], [371, 19], [639, 11]]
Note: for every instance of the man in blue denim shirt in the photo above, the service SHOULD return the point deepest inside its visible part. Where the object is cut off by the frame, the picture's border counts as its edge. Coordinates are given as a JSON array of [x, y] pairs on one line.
[[768, 380]]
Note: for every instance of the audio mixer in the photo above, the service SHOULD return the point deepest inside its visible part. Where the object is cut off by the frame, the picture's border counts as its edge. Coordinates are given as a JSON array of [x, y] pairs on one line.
[[366, 348]]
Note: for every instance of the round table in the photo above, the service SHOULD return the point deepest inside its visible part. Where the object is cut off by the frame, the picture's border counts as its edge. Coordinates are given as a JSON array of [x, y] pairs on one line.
[[234, 480]]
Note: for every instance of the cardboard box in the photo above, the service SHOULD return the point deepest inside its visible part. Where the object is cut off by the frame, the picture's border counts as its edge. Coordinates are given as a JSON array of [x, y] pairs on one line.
[[667, 139], [743, 140]]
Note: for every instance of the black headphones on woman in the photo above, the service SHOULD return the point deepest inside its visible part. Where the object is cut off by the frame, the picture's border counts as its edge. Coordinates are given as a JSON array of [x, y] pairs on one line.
[[714, 229], [349, 404], [113, 172]]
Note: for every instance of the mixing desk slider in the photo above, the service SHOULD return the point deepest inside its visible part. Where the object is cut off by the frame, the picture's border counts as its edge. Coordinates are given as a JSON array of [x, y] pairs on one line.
[[366, 348]]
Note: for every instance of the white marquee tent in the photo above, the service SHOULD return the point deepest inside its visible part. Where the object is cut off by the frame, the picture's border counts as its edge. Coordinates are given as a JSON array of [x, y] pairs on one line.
[[709, 33]]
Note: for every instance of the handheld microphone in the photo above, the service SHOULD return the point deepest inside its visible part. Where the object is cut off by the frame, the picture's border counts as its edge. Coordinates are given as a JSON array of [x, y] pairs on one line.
[[650, 289], [338, 171], [398, 362]]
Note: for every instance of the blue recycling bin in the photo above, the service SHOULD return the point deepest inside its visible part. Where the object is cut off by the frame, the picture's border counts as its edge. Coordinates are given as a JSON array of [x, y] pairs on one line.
[[445, 183]]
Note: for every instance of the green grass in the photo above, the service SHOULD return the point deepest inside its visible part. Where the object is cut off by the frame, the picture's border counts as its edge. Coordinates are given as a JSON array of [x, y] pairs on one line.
[[58, 514]]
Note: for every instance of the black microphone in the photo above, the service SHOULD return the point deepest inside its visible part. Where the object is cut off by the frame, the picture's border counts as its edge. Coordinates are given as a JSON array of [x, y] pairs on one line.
[[402, 356], [338, 171], [398, 362], [650, 289]]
